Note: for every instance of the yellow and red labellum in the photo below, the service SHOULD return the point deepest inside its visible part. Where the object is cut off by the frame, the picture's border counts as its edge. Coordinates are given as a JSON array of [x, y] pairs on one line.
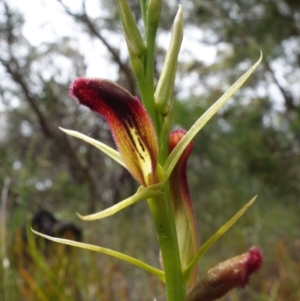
[[130, 124]]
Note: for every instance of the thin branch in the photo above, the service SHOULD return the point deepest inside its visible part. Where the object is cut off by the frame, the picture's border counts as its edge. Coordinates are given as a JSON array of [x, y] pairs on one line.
[[288, 98], [19, 79], [84, 19]]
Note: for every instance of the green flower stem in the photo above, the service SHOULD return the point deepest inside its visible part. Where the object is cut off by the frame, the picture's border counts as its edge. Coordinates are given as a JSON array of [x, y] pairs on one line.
[[163, 218], [143, 10], [147, 95], [146, 88], [164, 138], [145, 77]]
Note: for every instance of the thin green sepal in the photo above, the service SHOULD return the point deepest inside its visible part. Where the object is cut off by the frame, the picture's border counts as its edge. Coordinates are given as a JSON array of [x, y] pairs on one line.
[[215, 237], [142, 194], [115, 155], [119, 255], [201, 122]]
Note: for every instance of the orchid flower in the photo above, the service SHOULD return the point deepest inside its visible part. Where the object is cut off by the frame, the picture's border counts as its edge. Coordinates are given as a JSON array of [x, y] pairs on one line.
[[135, 137], [157, 157], [136, 140], [129, 122], [134, 134]]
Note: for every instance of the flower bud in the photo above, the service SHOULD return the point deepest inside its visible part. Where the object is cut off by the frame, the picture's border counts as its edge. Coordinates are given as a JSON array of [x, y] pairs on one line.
[[164, 90], [153, 13], [132, 32], [229, 274]]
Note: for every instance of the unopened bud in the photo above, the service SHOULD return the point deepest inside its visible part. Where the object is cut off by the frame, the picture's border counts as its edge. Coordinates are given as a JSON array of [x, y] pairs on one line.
[[164, 90], [229, 274], [153, 13], [132, 33]]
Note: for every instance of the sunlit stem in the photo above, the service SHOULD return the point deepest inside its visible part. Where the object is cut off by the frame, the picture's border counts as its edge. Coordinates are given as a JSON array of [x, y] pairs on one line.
[[163, 218]]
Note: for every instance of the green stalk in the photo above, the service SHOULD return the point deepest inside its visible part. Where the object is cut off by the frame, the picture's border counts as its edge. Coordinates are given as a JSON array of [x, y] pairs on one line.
[[166, 233], [153, 9], [143, 10], [147, 87], [164, 136]]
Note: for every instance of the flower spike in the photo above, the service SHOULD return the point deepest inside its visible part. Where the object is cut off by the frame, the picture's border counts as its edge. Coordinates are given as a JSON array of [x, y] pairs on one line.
[[130, 124]]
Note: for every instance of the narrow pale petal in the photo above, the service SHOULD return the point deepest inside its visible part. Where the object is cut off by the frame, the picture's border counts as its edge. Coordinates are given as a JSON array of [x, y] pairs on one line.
[[216, 236], [103, 147], [229, 274], [142, 194], [203, 119], [183, 207], [119, 255], [130, 124]]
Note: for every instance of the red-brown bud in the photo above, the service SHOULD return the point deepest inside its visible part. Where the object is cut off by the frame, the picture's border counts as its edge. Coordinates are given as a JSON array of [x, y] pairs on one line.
[[225, 276]]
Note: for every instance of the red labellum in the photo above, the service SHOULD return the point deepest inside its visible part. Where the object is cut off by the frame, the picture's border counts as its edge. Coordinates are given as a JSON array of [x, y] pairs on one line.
[[130, 124]]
